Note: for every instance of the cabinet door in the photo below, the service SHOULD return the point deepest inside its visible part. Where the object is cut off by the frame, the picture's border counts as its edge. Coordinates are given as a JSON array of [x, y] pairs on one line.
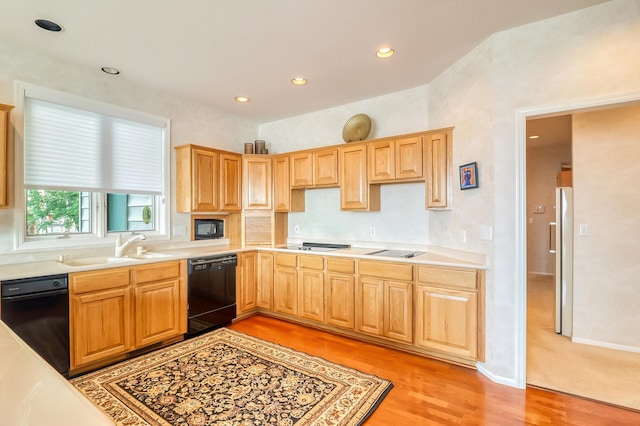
[[446, 320], [340, 300], [204, 180], [158, 311], [381, 161], [100, 325], [325, 167], [311, 294], [256, 181], [408, 158], [438, 170], [246, 281], [4, 158], [230, 182], [281, 184], [398, 310], [264, 298], [301, 169], [285, 290], [369, 305], [355, 191]]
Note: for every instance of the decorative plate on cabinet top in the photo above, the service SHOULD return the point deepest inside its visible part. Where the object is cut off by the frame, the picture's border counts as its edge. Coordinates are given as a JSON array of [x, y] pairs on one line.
[[356, 128]]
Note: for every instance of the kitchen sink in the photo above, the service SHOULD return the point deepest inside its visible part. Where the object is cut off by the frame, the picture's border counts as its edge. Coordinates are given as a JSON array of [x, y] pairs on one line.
[[395, 253], [149, 255], [97, 260]]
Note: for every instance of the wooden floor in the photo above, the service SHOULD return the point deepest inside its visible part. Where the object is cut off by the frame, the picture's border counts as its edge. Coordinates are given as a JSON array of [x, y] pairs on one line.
[[430, 392]]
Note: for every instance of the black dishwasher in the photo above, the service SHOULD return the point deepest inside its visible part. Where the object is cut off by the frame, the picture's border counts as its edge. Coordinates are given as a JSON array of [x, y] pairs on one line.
[[212, 292], [37, 310]]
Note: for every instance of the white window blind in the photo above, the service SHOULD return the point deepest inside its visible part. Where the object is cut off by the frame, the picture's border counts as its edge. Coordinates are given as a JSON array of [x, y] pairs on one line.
[[72, 149]]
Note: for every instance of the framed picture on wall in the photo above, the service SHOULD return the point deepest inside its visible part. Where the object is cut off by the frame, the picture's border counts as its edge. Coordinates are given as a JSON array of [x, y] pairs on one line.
[[469, 176]]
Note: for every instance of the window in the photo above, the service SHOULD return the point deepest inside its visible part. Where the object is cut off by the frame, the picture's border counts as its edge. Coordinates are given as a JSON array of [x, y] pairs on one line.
[[91, 169]]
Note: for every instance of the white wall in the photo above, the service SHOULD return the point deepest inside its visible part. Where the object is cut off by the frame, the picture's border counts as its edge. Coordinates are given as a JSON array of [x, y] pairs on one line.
[[606, 147], [190, 122], [586, 54]]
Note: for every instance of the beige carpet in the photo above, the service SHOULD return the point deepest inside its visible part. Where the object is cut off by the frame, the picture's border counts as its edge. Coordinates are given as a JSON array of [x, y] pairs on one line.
[[554, 362], [228, 378]]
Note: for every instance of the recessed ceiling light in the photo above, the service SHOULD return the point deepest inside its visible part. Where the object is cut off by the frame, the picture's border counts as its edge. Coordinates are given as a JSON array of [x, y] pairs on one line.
[[48, 25], [534, 137], [110, 70], [385, 52], [242, 99], [299, 81]]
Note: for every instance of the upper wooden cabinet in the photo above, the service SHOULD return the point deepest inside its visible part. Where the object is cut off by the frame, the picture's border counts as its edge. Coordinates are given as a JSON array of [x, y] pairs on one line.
[[355, 191], [207, 180], [395, 160], [438, 170], [314, 168], [257, 182], [5, 111], [285, 199], [230, 182]]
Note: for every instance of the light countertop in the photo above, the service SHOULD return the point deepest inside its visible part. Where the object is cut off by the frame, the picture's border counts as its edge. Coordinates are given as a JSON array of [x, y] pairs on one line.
[[34, 393]]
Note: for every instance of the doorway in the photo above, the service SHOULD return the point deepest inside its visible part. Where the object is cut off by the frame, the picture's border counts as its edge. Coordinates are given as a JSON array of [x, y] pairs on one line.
[[553, 361]]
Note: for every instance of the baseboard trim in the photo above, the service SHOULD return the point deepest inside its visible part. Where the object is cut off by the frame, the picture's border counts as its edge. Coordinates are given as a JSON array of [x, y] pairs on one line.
[[507, 381], [606, 345]]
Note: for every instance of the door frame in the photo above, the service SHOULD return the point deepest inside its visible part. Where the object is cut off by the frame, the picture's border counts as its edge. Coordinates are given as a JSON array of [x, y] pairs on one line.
[[569, 107]]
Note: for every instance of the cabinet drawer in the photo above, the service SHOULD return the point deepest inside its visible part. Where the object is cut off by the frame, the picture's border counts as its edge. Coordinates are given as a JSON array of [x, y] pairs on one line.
[[462, 278], [386, 270], [156, 272], [104, 279], [311, 262], [342, 265], [286, 259]]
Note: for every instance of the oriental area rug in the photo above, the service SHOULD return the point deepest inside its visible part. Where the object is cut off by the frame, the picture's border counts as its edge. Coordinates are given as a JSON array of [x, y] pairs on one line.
[[229, 378]]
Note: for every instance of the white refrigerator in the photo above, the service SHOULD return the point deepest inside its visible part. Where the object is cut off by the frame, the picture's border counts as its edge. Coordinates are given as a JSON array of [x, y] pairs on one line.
[[561, 243]]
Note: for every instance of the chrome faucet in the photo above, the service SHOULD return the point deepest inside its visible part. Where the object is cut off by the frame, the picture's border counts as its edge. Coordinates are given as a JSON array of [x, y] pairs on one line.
[[120, 246]]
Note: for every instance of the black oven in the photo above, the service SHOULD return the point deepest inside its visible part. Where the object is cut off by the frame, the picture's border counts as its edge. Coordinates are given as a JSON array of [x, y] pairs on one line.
[[208, 229], [212, 292]]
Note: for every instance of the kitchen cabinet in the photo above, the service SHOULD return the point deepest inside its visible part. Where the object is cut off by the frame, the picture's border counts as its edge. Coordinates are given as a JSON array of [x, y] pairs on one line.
[[100, 315], [438, 170], [257, 182], [355, 191], [314, 168], [340, 292], [246, 275], [311, 287], [5, 123], [384, 302], [264, 297], [285, 284], [207, 180], [395, 160], [301, 169], [285, 199], [230, 182], [160, 302], [114, 311], [447, 311]]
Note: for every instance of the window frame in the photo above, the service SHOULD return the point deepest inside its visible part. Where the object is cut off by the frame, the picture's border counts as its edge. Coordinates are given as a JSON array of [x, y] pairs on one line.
[[99, 235]]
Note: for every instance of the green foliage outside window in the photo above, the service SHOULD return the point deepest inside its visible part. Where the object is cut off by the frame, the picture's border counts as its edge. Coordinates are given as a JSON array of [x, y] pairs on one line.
[[51, 212]]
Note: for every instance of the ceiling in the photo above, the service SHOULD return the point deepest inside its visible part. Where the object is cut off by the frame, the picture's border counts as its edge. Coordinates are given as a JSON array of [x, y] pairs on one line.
[[211, 51]]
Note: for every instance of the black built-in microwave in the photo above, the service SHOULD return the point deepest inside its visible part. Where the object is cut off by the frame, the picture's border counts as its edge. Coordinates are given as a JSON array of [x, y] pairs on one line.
[[208, 229]]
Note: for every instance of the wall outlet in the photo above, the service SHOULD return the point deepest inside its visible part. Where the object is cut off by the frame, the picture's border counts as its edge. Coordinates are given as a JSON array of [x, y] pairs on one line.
[[372, 231], [179, 230], [487, 232], [583, 229], [463, 236], [296, 229]]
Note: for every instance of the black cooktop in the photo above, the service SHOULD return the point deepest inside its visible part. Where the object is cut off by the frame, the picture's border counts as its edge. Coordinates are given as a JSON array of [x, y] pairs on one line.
[[318, 246]]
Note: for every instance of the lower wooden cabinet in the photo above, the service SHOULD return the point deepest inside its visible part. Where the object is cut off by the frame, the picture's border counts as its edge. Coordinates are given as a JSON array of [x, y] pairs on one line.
[[447, 311], [369, 305], [398, 311], [264, 296], [246, 275], [285, 284], [114, 311], [340, 293], [100, 315], [311, 288]]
